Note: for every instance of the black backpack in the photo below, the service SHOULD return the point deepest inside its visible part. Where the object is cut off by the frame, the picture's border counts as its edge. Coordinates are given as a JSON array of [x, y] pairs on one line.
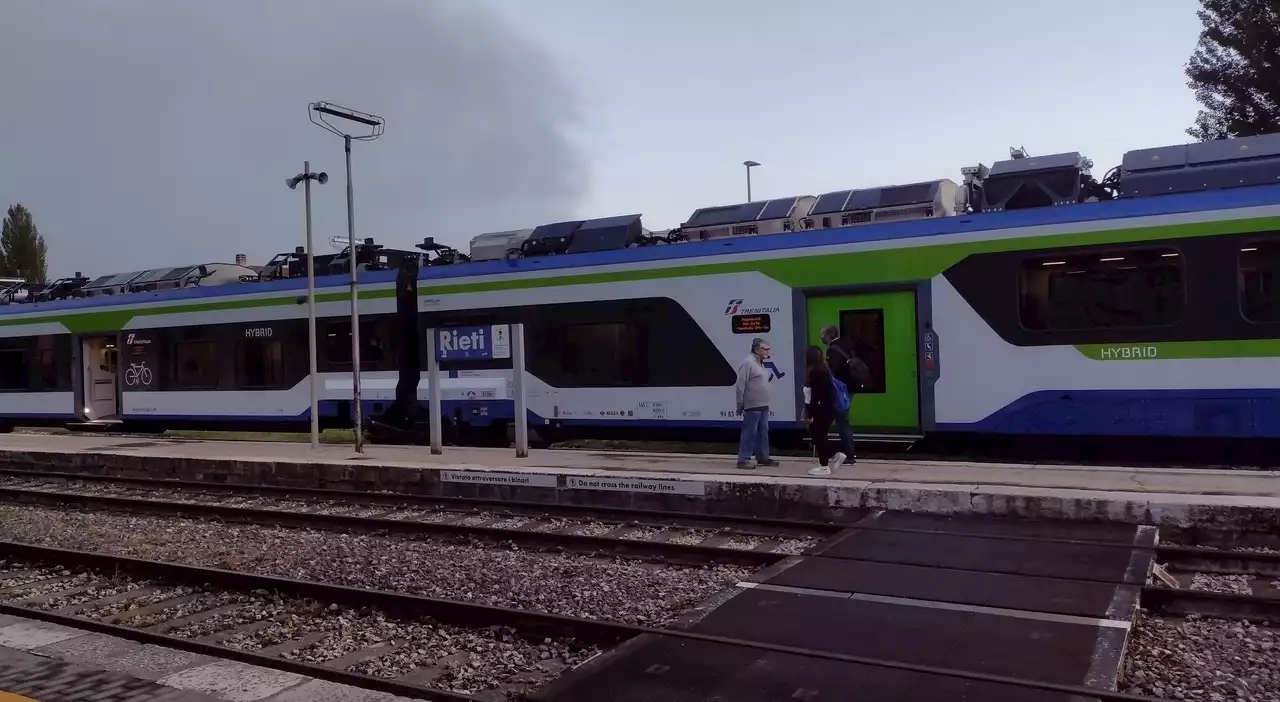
[[857, 368]]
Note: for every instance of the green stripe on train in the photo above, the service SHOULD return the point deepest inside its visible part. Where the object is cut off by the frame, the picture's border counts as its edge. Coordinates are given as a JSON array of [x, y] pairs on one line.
[[863, 267], [116, 319], [1170, 350]]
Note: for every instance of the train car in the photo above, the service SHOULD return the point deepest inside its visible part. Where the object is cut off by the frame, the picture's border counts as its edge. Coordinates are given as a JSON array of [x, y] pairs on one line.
[[1029, 300]]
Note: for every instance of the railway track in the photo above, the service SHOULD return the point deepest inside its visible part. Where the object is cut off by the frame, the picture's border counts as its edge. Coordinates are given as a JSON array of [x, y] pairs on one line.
[[691, 540], [304, 639], [671, 537], [746, 525], [417, 647]]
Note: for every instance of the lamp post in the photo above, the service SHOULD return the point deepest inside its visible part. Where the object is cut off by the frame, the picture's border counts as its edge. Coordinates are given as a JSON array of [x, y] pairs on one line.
[[320, 113], [305, 177], [749, 165]]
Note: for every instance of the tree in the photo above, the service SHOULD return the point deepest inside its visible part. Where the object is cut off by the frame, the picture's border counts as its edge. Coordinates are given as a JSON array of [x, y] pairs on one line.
[[1235, 69], [22, 250]]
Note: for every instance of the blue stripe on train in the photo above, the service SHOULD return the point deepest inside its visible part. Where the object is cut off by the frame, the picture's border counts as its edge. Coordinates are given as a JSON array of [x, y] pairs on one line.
[[504, 409], [1207, 413]]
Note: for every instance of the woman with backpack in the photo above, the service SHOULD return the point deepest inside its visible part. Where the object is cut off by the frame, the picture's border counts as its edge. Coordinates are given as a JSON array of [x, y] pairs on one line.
[[824, 395]]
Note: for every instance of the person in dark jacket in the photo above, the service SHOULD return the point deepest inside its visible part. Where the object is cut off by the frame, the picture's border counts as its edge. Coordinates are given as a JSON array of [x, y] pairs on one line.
[[841, 358], [820, 411]]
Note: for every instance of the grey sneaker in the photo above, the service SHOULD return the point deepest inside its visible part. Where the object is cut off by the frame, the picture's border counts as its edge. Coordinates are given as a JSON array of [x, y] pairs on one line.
[[768, 462], [745, 466]]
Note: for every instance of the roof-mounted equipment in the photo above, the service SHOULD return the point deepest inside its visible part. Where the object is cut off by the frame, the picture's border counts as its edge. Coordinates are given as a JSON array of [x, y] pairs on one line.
[[607, 234], [1024, 182], [892, 203], [495, 246], [550, 239], [60, 289], [444, 255], [1207, 165], [747, 218]]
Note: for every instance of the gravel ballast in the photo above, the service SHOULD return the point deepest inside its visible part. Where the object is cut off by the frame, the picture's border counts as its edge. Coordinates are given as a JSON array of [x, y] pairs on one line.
[[1200, 658], [491, 662], [566, 584], [492, 519]]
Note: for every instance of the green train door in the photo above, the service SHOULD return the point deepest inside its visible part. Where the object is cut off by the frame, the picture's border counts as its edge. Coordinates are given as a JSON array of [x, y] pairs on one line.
[[882, 327]]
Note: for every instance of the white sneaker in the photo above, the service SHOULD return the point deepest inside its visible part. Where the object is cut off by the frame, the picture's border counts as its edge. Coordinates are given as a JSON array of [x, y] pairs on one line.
[[819, 470], [838, 460]]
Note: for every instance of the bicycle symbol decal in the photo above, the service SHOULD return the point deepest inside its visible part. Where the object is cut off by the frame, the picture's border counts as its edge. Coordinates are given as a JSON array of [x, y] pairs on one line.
[[138, 373]]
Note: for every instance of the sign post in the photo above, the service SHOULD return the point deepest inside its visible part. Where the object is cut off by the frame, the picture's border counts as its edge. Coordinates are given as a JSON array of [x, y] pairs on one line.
[[433, 394], [479, 343], [521, 419]]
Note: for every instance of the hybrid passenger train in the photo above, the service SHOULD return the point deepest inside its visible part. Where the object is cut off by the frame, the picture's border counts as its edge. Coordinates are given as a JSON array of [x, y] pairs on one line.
[[1028, 299]]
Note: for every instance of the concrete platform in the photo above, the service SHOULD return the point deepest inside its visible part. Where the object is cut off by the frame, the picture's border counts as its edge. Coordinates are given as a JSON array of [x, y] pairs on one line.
[[52, 663], [960, 610], [1237, 500]]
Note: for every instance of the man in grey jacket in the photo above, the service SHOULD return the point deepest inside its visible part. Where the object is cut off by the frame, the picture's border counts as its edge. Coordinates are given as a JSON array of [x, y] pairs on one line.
[[752, 391]]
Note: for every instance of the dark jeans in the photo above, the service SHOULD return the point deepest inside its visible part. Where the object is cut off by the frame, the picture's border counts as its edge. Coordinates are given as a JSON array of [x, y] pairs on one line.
[[818, 429], [846, 433], [755, 436]]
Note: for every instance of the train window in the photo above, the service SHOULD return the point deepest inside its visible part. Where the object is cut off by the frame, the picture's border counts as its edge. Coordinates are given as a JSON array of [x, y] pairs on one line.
[[48, 364], [47, 367], [1102, 290], [260, 364], [1260, 281], [602, 354], [624, 343], [337, 344], [13, 369], [195, 365], [864, 329]]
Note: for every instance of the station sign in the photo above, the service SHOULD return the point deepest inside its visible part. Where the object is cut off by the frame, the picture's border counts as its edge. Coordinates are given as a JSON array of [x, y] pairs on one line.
[[477, 343]]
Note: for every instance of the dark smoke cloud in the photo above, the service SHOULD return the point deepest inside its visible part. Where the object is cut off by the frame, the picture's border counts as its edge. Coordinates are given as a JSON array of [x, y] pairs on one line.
[[143, 132]]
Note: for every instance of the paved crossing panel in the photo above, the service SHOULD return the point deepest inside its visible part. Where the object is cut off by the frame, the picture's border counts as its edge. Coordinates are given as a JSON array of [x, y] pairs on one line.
[[969, 595]]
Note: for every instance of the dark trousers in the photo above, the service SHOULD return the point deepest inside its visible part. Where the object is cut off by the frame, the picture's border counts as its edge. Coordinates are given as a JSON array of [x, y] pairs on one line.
[[818, 429], [755, 435], [846, 433]]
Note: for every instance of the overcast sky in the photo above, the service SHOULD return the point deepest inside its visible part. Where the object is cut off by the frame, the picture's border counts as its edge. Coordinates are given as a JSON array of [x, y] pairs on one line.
[[145, 133]]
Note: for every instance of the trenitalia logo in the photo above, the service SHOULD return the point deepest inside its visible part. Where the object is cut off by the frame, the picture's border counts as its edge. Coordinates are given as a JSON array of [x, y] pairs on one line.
[[735, 307]]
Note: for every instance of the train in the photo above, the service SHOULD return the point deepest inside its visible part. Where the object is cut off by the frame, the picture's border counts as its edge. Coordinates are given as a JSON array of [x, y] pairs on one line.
[[1025, 299]]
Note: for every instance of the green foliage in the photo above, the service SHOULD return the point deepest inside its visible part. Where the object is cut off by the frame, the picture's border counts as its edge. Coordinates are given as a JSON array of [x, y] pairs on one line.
[[1235, 70], [22, 250]]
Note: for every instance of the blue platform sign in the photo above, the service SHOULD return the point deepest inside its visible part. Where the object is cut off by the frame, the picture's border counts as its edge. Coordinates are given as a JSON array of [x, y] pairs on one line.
[[473, 343]]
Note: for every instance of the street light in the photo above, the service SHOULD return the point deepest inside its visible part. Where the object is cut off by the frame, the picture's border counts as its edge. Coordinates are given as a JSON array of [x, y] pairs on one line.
[[306, 176], [319, 114], [749, 165]]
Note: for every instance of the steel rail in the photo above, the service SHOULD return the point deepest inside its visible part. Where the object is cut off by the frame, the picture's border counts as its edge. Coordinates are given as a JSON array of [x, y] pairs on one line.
[[1213, 560], [215, 651], [662, 518], [450, 611], [1227, 605], [683, 554]]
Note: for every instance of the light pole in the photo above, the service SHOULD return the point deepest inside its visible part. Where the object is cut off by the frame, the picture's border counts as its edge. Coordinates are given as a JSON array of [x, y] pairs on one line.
[[318, 112], [749, 165], [305, 177]]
